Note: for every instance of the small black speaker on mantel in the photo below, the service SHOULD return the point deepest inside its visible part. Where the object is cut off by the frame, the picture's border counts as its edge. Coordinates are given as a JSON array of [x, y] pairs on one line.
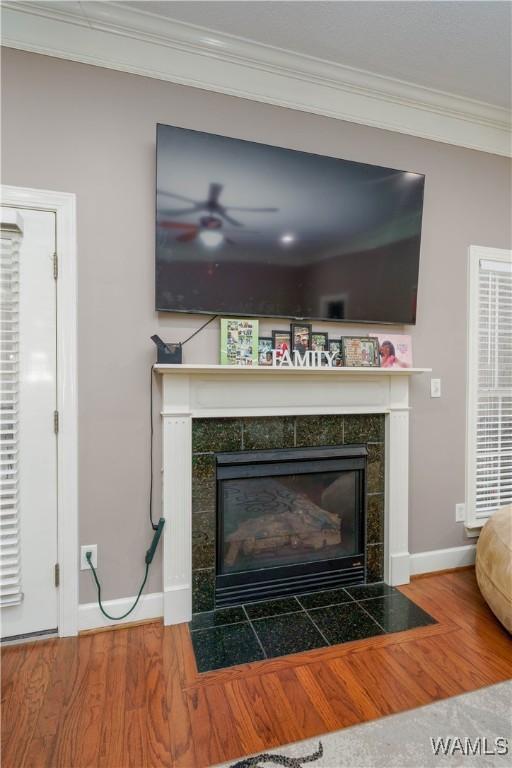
[[167, 353]]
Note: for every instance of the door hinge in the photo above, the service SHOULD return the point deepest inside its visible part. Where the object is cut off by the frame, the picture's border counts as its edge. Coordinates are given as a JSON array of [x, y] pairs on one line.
[[57, 575], [55, 266], [56, 422]]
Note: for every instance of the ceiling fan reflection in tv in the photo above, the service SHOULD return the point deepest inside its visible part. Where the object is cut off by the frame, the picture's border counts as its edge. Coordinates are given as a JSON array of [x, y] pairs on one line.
[[328, 227]]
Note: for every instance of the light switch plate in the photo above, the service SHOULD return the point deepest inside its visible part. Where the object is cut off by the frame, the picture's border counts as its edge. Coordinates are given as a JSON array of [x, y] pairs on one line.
[[435, 387], [84, 565], [460, 513]]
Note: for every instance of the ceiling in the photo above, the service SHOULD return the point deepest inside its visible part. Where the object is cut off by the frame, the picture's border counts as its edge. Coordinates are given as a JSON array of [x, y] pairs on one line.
[[463, 48]]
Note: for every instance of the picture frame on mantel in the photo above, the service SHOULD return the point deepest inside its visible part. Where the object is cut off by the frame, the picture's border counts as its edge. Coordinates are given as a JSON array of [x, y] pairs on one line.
[[320, 343], [265, 346], [335, 346], [239, 341], [281, 342], [300, 334], [360, 351]]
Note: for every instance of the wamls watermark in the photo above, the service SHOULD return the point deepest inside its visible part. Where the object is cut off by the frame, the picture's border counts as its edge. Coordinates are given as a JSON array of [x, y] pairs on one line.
[[481, 745]]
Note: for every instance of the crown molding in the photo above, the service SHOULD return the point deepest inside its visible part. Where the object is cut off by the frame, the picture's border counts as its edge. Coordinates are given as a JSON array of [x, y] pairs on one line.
[[115, 36]]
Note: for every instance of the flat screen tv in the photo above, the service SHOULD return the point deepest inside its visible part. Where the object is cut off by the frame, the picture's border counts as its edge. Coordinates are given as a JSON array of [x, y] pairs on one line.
[[248, 229]]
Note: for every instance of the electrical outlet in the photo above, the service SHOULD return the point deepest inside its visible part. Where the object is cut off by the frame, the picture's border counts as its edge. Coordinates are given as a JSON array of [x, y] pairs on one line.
[[460, 513], [435, 387], [84, 565]]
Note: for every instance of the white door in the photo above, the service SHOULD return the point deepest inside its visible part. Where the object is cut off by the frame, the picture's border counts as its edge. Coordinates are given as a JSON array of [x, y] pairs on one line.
[[28, 538]]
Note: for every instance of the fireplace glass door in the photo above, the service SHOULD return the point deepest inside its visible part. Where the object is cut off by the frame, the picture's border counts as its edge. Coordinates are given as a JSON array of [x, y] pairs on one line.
[[287, 519]]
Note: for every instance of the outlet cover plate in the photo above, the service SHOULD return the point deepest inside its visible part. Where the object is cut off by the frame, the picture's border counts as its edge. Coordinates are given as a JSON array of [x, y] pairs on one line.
[[84, 565], [460, 513]]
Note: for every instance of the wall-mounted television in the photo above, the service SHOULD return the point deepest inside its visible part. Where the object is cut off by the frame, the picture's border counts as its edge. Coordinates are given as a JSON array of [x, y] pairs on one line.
[[249, 229]]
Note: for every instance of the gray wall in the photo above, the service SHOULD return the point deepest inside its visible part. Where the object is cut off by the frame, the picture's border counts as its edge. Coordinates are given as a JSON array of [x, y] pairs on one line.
[[77, 128]]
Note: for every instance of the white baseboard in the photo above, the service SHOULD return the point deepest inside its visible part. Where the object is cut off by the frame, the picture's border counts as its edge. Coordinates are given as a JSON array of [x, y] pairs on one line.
[[150, 606], [441, 559]]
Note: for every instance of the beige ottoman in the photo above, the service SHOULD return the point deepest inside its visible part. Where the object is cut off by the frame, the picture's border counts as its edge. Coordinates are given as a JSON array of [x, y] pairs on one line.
[[494, 565]]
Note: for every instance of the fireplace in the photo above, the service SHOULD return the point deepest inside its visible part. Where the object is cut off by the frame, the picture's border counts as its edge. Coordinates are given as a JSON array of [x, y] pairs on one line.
[[289, 521]]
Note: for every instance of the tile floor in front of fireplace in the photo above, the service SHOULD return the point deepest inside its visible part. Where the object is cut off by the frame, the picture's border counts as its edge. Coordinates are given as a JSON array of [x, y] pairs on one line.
[[264, 630]]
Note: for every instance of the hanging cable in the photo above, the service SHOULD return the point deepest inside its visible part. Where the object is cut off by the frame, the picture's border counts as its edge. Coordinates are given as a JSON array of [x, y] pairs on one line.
[[98, 585], [148, 560], [154, 527], [214, 317]]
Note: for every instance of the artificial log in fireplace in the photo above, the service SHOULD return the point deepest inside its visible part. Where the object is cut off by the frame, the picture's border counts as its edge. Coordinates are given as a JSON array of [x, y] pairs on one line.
[[289, 521]]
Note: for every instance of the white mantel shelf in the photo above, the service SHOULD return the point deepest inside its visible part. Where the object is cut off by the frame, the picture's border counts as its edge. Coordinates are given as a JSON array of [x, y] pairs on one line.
[[258, 370], [226, 391]]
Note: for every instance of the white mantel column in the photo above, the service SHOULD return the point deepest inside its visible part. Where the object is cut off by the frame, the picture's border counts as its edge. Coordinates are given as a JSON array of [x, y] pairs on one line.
[[396, 515], [177, 502]]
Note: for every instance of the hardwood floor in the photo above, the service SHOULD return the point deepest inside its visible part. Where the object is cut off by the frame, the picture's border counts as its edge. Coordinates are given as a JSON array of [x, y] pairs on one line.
[[133, 697]]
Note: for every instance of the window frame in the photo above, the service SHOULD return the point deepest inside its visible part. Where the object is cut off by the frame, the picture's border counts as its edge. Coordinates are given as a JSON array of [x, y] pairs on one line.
[[476, 254]]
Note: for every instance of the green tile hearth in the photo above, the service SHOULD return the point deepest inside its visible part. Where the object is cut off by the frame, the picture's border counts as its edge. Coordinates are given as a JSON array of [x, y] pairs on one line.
[[374, 562], [268, 629], [218, 618], [375, 473], [268, 432], [375, 519], [203, 485], [203, 541], [216, 435], [368, 591], [364, 428], [344, 623], [292, 633], [396, 613], [319, 430], [327, 597], [203, 589], [267, 608], [225, 646]]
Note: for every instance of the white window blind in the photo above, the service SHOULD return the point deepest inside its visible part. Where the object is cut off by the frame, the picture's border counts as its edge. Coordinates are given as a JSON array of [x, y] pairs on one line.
[[10, 574], [491, 412]]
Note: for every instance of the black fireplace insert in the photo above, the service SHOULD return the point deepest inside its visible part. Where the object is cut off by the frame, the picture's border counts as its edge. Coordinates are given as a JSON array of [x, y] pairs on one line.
[[289, 521]]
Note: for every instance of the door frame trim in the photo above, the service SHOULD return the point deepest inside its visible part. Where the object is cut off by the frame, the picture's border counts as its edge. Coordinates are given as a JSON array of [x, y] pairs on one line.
[[63, 205]]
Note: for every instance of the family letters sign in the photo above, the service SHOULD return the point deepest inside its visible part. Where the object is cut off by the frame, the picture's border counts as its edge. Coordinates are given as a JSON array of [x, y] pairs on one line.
[[307, 359]]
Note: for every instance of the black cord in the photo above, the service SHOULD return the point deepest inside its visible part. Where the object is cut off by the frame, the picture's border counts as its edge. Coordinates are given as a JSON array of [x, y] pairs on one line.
[[98, 587], [154, 527], [200, 329]]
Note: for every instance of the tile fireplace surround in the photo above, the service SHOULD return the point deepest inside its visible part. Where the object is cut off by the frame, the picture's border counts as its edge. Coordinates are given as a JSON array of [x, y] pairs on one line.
[[247, 395]]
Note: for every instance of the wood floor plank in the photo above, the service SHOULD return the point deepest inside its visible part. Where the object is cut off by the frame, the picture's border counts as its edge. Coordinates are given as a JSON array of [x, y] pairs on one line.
[[411, 676], [134, 697], [74, 681], [318, 697], [468, 662], [90, 717], [388, 693], [111, 745], [219, 740], [417, 660], [342, 684], [157, 712], [180, 729], [307, 717], [222, 723], [25, 702], [252, 721], [12, 658], [283, 708]]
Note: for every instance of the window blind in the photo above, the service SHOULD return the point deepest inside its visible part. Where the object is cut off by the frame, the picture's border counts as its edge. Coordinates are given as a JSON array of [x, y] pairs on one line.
[[493, 450], [10, 573]]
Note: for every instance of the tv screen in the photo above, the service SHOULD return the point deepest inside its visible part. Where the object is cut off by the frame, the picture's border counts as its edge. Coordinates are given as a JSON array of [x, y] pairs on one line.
[[254, 230]]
